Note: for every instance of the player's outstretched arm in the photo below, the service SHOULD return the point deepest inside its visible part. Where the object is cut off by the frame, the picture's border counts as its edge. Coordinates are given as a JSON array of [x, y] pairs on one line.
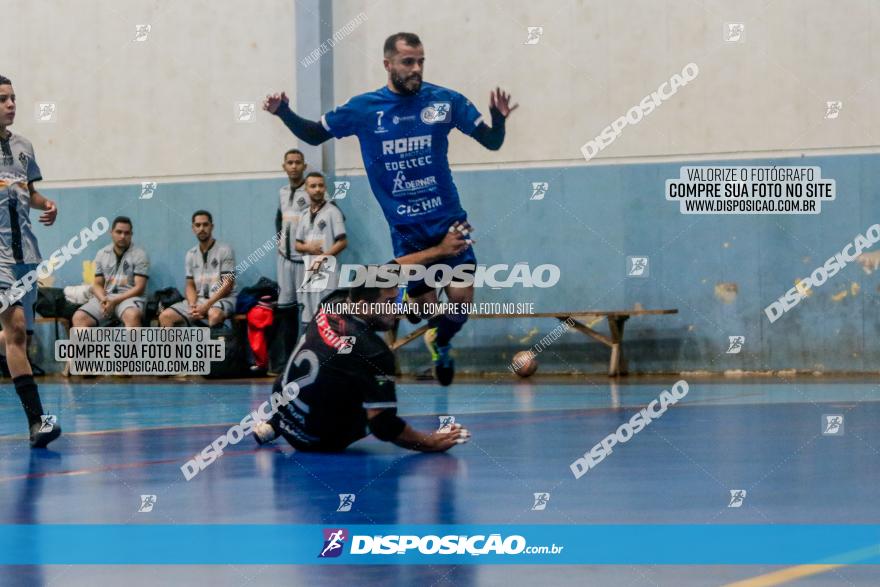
[[499, 109], [385, 425], [431, 442], [310, 131]]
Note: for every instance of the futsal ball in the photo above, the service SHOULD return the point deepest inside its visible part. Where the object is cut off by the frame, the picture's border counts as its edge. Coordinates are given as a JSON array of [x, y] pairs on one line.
[[525, 363]]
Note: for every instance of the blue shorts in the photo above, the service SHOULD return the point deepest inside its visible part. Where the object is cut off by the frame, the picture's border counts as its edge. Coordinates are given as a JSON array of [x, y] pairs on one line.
[[412, 238], [9, 274]]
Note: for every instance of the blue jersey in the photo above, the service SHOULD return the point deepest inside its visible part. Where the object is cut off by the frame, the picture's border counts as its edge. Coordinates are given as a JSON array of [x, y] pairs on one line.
[[404, 140]]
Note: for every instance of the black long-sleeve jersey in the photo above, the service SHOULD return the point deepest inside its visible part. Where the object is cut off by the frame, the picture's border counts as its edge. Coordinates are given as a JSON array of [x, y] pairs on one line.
[[342, 368]]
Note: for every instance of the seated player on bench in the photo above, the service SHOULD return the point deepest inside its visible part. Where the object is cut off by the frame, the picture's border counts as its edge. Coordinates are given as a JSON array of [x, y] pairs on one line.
[[344, 373], [210, 280], [121, 273]]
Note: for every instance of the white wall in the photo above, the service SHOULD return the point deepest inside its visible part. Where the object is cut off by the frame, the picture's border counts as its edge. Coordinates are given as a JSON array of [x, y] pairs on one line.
[[597, 59], [164, 108], [155, 109]]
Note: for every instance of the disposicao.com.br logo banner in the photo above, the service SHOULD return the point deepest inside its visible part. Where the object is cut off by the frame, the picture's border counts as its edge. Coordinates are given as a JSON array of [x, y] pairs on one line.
[[600, 544]]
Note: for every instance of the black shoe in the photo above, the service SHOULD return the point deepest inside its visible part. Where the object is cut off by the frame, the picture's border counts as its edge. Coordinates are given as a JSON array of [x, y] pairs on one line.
[[445, 371], [444, 364], [44, 431]]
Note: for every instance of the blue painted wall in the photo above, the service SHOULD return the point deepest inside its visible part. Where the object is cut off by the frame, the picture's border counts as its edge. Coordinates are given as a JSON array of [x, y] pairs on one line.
[[591, 219]]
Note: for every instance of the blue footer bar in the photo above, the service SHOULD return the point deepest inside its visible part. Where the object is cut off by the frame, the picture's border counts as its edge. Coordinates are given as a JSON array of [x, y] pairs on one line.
[[436, 544]]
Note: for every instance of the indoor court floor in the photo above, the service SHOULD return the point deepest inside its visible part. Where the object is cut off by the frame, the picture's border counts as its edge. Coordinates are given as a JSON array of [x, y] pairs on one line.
[[126, 438]]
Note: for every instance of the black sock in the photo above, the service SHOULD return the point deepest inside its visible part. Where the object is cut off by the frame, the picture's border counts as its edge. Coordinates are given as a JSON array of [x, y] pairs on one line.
[[289, 325], [447, 326], [30, 398]]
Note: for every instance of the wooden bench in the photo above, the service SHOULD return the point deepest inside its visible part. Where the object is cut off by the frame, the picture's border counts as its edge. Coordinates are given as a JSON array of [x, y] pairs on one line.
[[616, 321]]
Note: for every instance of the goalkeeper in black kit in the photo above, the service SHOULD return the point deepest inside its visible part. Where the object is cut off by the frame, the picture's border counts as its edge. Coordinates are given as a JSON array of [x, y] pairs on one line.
[[344, 374]]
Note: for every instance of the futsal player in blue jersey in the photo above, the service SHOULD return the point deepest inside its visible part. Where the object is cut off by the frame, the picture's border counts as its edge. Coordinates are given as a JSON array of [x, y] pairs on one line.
[[403, 131]]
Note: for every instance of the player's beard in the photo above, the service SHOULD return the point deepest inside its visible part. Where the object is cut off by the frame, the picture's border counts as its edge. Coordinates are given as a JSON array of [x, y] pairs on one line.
[[399, 84]]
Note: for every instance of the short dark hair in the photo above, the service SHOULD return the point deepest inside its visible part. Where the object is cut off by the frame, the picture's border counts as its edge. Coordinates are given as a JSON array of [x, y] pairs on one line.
[[365, 293], [410, 39], [5, 81], [316, 174], [362, 293], [203, 213], [123, 220], [294, 152]]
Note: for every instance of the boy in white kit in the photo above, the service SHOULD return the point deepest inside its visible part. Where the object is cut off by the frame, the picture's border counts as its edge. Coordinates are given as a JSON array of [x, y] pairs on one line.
[[293, 203], [320, 235]]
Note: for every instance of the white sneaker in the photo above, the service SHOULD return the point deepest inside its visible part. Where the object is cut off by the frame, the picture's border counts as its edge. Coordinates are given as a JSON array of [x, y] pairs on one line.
[[45, 431]]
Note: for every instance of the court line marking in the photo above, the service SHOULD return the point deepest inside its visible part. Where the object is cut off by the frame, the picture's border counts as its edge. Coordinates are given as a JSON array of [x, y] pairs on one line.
[[408, 415], [783, 576], [134, 465], [802, 571], [123, 430], [562, 413], [708, 402]]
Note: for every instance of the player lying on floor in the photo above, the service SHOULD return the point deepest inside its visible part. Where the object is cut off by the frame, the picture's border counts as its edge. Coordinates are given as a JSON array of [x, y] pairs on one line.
[[344, 373]]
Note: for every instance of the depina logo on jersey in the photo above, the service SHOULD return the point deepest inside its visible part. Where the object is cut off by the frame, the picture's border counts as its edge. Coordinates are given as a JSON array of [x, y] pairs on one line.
[[76, 245], [440, 275], [436, 112], [473, 545]]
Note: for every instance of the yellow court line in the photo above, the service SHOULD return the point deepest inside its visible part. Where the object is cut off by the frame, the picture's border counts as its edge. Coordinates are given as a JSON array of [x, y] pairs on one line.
[[801, 571], [784, 576]]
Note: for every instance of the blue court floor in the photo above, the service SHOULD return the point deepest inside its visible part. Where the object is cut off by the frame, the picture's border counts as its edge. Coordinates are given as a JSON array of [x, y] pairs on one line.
[[124, 439]]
